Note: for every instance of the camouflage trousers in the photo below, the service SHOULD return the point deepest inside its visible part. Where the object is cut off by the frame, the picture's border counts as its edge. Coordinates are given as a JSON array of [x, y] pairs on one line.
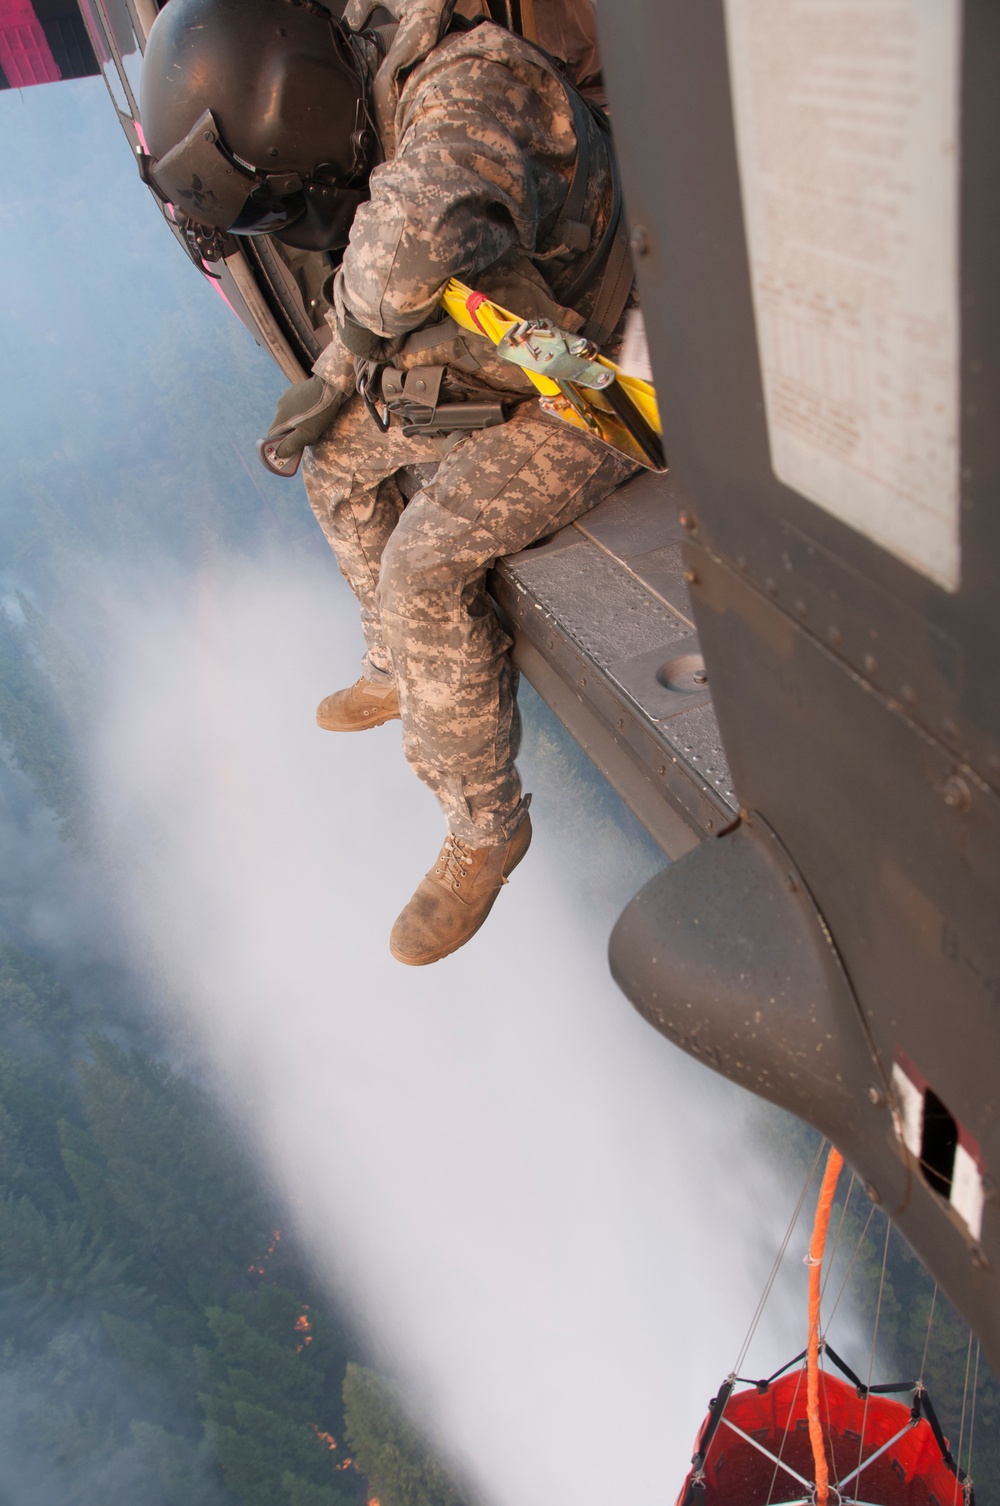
[[419, 569]]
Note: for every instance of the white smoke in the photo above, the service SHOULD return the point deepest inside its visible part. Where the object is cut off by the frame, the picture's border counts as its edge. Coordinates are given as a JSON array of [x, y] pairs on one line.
[[550, 1224]]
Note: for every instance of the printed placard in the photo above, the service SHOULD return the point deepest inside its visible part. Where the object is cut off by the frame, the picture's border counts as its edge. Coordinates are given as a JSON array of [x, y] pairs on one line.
[[847, 121]]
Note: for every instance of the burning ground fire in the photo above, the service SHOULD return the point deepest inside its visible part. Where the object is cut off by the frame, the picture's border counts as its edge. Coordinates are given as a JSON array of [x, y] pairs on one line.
[[258, 1270], [304, 1333], [331, 1444]]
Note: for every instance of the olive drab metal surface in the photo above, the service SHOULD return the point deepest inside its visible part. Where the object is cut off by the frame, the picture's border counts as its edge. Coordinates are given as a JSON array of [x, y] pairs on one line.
[[814, 199]]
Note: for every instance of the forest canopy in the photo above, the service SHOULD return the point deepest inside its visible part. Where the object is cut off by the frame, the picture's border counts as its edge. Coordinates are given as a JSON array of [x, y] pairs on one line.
[[162, 1340]]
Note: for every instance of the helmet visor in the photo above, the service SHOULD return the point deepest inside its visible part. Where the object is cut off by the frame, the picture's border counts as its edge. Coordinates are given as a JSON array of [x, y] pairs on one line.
[[197, 177]]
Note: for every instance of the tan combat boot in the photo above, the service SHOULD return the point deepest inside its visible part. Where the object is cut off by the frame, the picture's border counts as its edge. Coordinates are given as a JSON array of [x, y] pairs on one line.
[[364, 705], [455, 898]]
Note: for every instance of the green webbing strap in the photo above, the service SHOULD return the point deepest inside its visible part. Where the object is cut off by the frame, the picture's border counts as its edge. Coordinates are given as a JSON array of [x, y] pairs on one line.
[[358, 339], [611, 261], [616, 285], [571, 228]]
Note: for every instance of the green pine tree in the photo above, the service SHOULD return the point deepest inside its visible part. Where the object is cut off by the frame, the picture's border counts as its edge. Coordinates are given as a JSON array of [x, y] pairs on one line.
[[32, 1098], [87, 1168], [299, 1492], [270, 1397], [34, 730], [174, 1170], [74, 1439], [401, 1468], [32, 997], [181, 1467], [161, 1370], [55, 1265]]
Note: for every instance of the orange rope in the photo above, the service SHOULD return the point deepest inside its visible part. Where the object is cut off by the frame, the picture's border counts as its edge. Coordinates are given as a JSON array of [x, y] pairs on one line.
[[816, 1247]]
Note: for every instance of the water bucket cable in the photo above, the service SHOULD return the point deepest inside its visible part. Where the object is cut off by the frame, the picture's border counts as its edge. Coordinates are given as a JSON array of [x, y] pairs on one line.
[[961, 1430], [871, 1357], [784, 1438], [972, 1423], [755, 1320], [859, 1245], [718, 1405], [927, 1336], [819, 1419]]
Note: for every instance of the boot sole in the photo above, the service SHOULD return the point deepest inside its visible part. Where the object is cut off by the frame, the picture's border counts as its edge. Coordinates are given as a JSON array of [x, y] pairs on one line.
[[377, 721], [447, 951]]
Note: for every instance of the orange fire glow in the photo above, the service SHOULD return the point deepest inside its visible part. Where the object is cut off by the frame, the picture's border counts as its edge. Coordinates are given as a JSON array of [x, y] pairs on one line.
[[304, 1327], [258, 1270], [326, 1438]]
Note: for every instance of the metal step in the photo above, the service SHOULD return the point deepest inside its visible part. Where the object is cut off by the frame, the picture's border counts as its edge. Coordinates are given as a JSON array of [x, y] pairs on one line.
[[603, 630]]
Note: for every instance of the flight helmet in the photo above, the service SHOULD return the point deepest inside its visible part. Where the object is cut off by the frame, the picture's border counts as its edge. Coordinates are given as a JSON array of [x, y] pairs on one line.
[[255, 119]]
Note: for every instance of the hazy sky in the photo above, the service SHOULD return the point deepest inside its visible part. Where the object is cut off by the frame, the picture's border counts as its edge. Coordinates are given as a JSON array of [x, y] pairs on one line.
[[552, 1225]]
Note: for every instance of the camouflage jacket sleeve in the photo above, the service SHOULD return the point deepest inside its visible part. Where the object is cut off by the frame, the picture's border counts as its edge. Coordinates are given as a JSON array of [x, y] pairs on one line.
[[335, 365], [483, 160]]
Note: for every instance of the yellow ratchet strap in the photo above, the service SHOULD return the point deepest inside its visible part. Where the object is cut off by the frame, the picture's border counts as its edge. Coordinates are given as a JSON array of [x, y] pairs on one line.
[[575, 382]]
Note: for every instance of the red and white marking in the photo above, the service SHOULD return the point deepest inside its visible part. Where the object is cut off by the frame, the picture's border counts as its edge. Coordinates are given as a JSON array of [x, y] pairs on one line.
[[966, 1195]]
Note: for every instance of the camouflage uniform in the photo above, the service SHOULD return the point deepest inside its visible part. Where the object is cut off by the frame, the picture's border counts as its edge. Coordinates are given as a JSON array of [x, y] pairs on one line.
[[480, 145]]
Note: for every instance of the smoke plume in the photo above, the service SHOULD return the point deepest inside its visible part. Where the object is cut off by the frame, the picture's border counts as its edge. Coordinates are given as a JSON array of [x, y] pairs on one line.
[[544, 1220]]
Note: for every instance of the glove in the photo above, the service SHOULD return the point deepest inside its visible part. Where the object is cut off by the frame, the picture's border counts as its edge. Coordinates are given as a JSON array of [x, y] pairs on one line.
[[305, 411]]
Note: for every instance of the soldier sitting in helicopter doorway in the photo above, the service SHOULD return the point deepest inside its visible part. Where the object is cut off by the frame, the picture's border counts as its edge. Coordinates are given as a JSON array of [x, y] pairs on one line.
[[437, 145]]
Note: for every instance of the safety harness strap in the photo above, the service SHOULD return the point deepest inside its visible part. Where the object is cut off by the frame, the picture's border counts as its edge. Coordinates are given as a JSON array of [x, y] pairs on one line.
[[611, 260], [571, 228], [616, 285]]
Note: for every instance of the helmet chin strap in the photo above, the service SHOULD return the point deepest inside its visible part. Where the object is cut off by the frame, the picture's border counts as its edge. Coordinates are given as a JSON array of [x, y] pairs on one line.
[[369, 49], [363, 142]]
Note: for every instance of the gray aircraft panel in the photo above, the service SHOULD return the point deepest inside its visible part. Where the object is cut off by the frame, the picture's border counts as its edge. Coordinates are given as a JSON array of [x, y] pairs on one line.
[[830, 390]]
